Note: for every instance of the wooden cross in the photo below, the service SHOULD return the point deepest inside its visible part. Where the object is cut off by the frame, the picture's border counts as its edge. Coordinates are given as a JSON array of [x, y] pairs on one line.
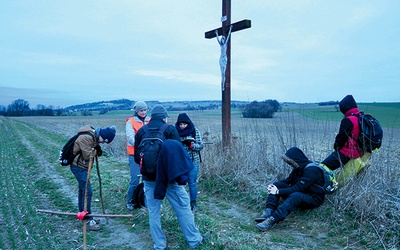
[[225, 30]]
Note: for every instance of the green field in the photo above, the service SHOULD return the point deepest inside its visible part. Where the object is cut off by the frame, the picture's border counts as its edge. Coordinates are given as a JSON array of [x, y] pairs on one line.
[[388, 114]]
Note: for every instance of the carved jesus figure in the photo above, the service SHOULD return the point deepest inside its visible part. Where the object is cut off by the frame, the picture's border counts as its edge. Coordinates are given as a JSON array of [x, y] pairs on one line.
[[223, 60]]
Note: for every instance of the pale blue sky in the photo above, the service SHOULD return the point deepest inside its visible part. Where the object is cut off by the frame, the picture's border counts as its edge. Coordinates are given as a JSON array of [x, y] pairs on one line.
[[63, 53]]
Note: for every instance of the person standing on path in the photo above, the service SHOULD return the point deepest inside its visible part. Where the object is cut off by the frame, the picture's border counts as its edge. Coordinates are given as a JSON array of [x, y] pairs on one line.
[[133, 124], [192, 142]]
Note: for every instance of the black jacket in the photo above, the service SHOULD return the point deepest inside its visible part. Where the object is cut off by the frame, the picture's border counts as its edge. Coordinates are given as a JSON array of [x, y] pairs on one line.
[[306, 180]]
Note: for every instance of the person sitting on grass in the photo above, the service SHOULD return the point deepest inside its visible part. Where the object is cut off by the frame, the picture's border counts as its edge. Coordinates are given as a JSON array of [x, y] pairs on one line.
[[300, 190]]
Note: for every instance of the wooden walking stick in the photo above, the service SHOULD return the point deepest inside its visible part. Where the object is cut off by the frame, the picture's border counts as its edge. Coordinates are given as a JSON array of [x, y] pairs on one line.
[[100, 186], [86, 196]]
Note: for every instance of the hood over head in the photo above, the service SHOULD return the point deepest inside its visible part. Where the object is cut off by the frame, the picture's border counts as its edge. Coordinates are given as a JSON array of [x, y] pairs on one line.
[[347, 103], [295, 158], [184, 118]]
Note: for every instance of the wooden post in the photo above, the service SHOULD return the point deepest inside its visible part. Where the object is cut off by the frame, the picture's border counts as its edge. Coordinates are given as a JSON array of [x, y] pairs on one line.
[[226, 83]]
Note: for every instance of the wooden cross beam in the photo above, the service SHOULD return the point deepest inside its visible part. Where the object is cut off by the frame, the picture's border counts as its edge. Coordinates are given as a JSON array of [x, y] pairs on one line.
[[225, 63], [241, 25]]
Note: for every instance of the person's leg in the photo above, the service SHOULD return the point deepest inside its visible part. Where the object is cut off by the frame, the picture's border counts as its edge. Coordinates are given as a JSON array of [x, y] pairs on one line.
[[179, 200], [153, 207], [272, 203], [335, 160], [134, 170], [193, 186], [81, 176], [293, 202]]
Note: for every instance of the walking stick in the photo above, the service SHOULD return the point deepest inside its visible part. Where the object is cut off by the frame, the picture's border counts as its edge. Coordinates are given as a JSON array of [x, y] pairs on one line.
[[100, 186], [86, 196]]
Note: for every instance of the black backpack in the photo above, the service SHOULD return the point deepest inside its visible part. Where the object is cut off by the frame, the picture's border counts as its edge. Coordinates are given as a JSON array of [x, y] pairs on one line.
[[371, 133], [149, 149], [67, 155]]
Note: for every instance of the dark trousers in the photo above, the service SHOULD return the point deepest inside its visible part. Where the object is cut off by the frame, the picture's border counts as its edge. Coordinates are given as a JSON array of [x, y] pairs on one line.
[[335, 160], [81, 176], [291, 203]]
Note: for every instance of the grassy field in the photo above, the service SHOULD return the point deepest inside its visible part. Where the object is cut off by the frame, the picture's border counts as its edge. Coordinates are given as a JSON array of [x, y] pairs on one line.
[[232, 185]]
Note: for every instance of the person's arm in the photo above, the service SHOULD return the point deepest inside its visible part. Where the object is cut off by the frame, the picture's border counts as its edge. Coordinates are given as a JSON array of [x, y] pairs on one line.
[[130, 132], [197, 145], [309, 177], [345, 129], [138, 139], [172, 133]]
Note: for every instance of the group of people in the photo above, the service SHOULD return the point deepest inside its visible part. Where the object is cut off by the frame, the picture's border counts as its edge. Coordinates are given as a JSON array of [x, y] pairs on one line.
[[301, 189], [179, 161], [179, 157]]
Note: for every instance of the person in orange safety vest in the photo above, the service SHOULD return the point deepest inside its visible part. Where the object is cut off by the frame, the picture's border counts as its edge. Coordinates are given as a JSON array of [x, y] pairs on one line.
[[133, 124]]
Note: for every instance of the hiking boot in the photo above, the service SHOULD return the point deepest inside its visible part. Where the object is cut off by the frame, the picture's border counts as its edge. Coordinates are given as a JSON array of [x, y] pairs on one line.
[[129, 206], [267, 224], [268, 213], [91, 225]]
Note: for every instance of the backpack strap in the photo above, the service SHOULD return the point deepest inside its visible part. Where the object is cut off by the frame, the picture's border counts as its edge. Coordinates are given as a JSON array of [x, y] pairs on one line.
[[164, 127]]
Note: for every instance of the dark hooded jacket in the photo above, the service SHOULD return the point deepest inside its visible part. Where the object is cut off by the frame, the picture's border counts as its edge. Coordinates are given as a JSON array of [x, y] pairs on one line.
[[188, 135], [305, 180], [345, 140], [173, 166]]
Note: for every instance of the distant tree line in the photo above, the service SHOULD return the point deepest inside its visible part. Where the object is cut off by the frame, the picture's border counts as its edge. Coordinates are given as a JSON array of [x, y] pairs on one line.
[[21, 107], [264, 109], [329, 103]]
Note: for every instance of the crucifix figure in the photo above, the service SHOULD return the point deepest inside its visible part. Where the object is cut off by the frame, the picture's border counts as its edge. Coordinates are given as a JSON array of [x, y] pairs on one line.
[[225, 64], [223, 59]]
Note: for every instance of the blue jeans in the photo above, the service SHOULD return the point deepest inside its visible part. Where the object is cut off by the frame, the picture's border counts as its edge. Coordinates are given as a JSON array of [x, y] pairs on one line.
[[192, 182], [134, 169], [179, 200], [81, 176]]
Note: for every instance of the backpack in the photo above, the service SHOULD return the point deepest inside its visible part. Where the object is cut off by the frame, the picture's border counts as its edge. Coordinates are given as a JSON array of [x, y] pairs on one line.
[[371, 133], [149, 149], [67, 155], [330, 183]]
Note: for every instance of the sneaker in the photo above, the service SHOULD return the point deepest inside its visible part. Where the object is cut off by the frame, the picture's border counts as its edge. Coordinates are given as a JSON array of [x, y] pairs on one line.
[[268, 213], [129, 206], [267, 224], [92, 226], [97, 221]]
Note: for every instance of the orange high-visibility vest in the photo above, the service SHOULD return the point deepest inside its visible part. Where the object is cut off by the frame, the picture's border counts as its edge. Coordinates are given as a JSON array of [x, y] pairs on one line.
[[136, 125]]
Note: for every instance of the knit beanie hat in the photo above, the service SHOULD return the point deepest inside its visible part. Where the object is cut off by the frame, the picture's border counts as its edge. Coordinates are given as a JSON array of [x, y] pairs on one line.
[[139, 105], [159, 111], [108, 134]]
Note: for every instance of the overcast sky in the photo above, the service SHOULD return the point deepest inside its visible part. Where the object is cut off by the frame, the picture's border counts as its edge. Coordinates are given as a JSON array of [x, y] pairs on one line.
[[63, 53]]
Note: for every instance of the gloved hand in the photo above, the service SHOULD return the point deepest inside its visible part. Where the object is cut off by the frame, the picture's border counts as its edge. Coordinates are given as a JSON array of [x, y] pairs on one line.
[[187, 142], [98, 149], [272, 189]]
